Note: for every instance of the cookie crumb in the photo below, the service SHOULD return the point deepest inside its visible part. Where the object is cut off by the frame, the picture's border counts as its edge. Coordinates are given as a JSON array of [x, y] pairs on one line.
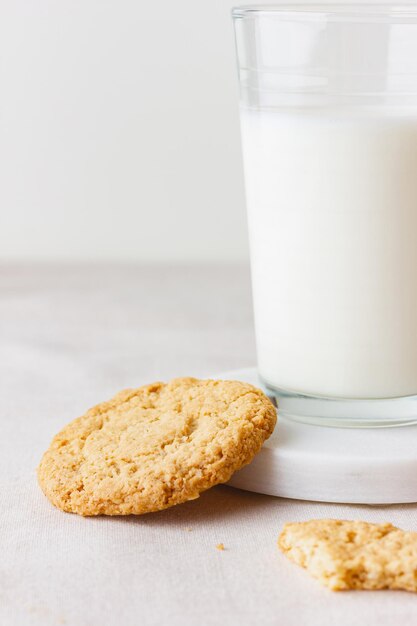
[[188, 529], [220, 546]]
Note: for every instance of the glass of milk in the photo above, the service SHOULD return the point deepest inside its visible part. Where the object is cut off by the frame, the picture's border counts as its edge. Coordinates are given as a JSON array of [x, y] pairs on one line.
[[329, 136]]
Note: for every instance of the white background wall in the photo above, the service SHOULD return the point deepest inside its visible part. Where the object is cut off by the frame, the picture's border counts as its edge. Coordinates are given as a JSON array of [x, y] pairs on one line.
[[119, 134]]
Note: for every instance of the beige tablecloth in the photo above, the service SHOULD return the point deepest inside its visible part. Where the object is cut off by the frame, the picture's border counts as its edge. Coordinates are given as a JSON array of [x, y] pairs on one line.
[[73, 336]]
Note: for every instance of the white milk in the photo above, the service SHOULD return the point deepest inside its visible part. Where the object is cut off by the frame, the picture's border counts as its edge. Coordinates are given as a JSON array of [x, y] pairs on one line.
[[332, 205]]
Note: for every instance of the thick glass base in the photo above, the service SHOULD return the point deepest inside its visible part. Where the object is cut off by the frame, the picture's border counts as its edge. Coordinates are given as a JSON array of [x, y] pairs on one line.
[[345, 413]]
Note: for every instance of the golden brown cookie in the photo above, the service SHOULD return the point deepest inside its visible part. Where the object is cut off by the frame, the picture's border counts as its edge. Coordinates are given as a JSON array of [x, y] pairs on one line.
[[150, 448], [353, 555]]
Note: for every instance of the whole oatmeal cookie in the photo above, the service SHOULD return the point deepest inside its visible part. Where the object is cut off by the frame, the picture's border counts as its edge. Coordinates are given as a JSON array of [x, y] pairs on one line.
[[353, 555], [150, 448]]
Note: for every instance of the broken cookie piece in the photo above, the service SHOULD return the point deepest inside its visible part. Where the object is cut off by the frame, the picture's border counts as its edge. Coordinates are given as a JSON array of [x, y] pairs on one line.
[[345, 554]]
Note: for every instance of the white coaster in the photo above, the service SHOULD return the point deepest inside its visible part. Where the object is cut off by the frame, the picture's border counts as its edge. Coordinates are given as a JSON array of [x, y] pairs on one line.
[[364, 465]]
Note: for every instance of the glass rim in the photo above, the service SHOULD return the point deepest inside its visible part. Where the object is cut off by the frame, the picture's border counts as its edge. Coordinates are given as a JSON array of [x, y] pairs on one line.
[[327, 10]]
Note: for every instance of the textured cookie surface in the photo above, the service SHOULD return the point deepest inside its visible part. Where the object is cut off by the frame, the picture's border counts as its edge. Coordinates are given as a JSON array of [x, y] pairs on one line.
[[353, 555], [156, 446]]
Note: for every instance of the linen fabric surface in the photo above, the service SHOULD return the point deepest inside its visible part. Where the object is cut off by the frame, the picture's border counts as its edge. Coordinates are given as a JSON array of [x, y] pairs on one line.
[[72, 337]]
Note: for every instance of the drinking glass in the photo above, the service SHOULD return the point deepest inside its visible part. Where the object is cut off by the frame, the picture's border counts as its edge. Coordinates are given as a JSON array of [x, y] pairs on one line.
[[328, 110]]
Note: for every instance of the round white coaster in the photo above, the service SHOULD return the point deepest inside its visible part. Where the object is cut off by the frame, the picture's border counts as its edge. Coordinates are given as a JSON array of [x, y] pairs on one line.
[[306, 462]]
